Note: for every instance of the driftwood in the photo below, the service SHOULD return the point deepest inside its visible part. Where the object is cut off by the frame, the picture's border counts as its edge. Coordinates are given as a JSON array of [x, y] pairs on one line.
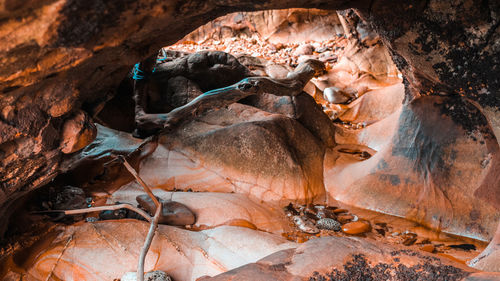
[[154, 222], [215, 99]]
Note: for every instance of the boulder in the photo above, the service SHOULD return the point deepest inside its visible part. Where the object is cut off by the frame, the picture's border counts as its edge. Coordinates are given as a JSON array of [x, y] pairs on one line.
[[240, 149]]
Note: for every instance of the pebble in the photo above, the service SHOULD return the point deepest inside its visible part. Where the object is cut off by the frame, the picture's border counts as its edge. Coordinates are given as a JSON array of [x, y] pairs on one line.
[[357, 227], [428, 248], [304, 58], [338, 211], [113, 214], [156, 275], [345, 218], [305, 49], [329, 224], [305, 225]]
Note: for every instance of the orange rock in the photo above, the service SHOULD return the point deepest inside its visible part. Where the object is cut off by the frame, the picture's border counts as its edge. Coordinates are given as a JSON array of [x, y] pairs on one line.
[[338, 211], [428, 248], [356, 227], [241, 223], [345, 218]]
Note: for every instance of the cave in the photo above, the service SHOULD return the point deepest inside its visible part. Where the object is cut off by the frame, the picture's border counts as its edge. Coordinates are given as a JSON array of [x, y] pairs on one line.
[[249, 140]]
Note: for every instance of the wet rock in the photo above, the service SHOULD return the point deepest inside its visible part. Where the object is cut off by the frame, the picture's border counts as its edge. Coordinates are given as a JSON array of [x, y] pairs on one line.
[[357, 227], [172, 213], [329, 224], [67, 198], [78, 131], [113, 214]]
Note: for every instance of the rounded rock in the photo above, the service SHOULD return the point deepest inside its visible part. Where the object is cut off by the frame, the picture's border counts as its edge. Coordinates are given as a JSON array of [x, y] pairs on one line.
[[329, 224], [357, 227]]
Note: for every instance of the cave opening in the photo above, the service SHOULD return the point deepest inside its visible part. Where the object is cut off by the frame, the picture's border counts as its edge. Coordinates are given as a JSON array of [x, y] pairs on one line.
[[288, 130]]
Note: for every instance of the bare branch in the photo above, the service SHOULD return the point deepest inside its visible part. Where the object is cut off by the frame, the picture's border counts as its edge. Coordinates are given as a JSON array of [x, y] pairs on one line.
[[154, 222]]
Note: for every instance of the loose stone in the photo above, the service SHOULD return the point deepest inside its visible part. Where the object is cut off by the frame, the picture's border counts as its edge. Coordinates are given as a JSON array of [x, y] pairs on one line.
[[357, 227], [329, 224]]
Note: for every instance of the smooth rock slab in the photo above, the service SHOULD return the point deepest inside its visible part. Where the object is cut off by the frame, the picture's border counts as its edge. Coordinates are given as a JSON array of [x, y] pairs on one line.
[[214, 208], [107, 250], [346, 258]]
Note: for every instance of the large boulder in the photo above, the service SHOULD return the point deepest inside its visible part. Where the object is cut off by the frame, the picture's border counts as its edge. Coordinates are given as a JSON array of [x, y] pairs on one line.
[[240, 149]]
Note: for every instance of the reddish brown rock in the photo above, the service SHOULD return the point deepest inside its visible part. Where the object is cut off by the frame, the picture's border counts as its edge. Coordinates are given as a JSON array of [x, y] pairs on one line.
[[433, 169], [240, 149], [77, 132], [341, 258], [356, 227]]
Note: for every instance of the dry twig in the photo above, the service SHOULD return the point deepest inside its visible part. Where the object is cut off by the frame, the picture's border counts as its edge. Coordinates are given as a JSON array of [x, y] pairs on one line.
[[154, 222]]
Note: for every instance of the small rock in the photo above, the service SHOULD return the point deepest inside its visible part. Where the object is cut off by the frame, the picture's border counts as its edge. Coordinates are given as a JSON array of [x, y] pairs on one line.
[[322, 49], [356, 227], [409, 239], [304, 50], [113, 214], [345, 218], [305, 225], [156, 275], [173, 213], [335, 95], [428, 248], [339, 211], [304, 58], [328, 56], [329, 224]]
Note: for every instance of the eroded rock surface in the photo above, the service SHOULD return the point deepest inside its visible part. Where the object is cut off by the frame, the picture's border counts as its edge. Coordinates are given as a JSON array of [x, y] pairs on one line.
[[431, 170], [241, 149], [347, 259], [84, 251]]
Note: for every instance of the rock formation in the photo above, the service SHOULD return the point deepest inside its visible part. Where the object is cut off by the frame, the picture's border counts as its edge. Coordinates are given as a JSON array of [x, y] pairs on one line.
[[435, 159]]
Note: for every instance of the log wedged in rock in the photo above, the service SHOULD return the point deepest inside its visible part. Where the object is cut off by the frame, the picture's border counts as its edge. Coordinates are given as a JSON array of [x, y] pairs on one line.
[[218, 98]]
